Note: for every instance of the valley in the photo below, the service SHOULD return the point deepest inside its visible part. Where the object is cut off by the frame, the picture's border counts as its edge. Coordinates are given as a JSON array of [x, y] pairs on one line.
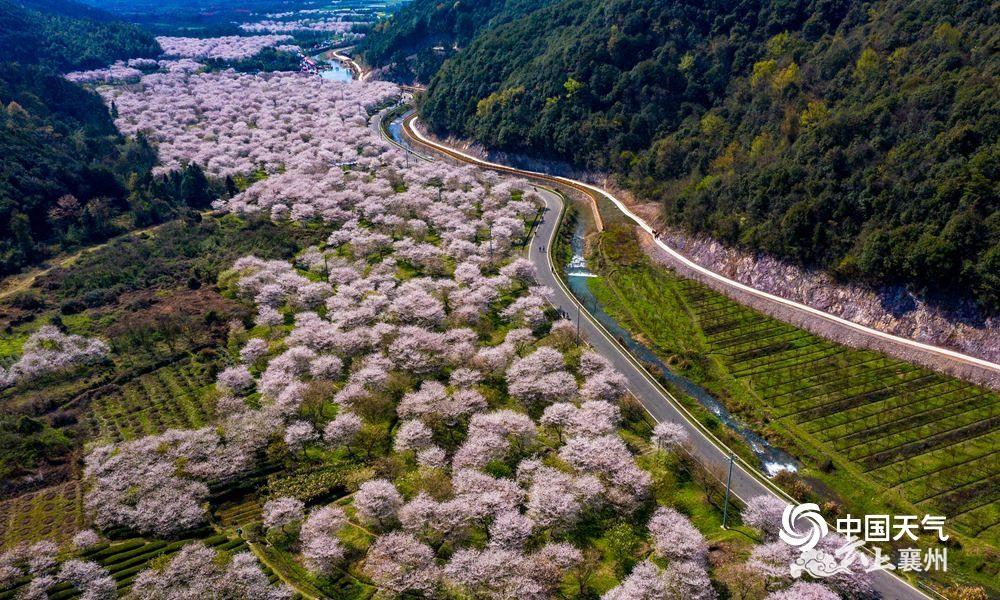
[[264, 335]]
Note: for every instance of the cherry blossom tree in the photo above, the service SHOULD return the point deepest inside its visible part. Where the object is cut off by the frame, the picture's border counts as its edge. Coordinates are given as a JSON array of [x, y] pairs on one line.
[[227, 48], [510, 530], [557, 500], [138, 484], [342, 430], [119, 72], [675, 538], [38, 588], [520, 270], [559, 416], [465, 378], [92, 580], [688, 580], [855, 582], [236, 380], [433, 457], [326, 367], [491, 436], [86, 539], [49, 350], [608, 385], [772, 561], [608, 458], [645, 582], [282, 511], [298, 435], [413, 435], [485, 494], [803, 590], [764, 513], [540, 378], [667, 435], [505, 574], [320, 547], [196, 572], [254, 350], [563, 332], [41, 556], [378, 502], [397, 563]]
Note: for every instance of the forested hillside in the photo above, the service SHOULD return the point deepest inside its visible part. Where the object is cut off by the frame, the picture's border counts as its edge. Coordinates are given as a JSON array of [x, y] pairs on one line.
[[65, 35], [405, 43], [856, 136], [67, 177]]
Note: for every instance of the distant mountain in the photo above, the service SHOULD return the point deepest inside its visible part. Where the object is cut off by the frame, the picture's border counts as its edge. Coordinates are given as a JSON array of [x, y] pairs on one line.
[[66, 36], [856, 136], [413, 43]]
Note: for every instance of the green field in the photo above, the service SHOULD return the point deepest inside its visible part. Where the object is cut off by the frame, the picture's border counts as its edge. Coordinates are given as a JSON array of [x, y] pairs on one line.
[[53, 513], [931, 436], [178, 396], [873, 432], [125, 559]]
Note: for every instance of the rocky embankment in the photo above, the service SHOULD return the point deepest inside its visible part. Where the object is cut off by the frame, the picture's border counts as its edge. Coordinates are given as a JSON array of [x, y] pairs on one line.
[[892, 309]]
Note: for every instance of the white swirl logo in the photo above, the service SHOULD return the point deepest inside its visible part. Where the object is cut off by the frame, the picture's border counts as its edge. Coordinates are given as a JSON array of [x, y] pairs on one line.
[[795, 515]]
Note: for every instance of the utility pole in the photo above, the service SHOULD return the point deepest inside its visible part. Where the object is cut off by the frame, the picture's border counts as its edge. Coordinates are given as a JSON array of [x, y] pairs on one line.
[[729, 482], [577, 324]]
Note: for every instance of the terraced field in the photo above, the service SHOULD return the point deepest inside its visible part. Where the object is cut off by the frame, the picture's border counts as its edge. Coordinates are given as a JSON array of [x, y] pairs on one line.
[[932, 438], [124, 560], [176, 396], [54, 513]]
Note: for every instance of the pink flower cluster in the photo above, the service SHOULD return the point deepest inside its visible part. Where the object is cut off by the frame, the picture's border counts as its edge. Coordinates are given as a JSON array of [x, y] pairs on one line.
[[196, 572], [139, 485], [298, 25], [119, 72], [232, 47], [39, 562], [49, 350], [132, 71], [391, 309], [233, 123]]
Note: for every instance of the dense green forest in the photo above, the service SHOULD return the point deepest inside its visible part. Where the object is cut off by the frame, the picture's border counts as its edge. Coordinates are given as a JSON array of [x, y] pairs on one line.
[[67, 36], [860, 137], [405, 42], [197, 18], [267, 60], [68, 178]]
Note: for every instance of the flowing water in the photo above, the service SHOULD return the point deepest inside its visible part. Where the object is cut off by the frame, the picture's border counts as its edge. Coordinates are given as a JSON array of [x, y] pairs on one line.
[[334, 70], [772, 460], [337, 72]]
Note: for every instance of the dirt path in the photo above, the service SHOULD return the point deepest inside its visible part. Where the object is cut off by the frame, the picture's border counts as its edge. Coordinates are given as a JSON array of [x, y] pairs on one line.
[[286, 580], [23, 281]]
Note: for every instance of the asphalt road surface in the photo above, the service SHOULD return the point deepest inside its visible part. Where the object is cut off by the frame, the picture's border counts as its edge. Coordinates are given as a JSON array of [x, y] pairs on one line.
[[746, 481]]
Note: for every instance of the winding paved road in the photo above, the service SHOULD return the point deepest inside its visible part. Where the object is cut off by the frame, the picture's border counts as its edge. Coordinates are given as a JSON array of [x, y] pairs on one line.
[[747, 482], [990, 371]]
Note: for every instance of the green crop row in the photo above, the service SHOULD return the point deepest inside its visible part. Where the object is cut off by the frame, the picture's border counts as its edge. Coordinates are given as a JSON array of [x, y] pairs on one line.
[[929, 436]]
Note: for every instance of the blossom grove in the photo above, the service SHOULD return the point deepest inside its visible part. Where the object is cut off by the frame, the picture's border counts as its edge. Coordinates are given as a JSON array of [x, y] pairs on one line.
[[401, 405]]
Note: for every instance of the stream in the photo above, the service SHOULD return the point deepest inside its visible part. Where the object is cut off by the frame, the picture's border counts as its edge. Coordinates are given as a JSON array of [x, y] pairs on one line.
[[334, 70], [772, 460]]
